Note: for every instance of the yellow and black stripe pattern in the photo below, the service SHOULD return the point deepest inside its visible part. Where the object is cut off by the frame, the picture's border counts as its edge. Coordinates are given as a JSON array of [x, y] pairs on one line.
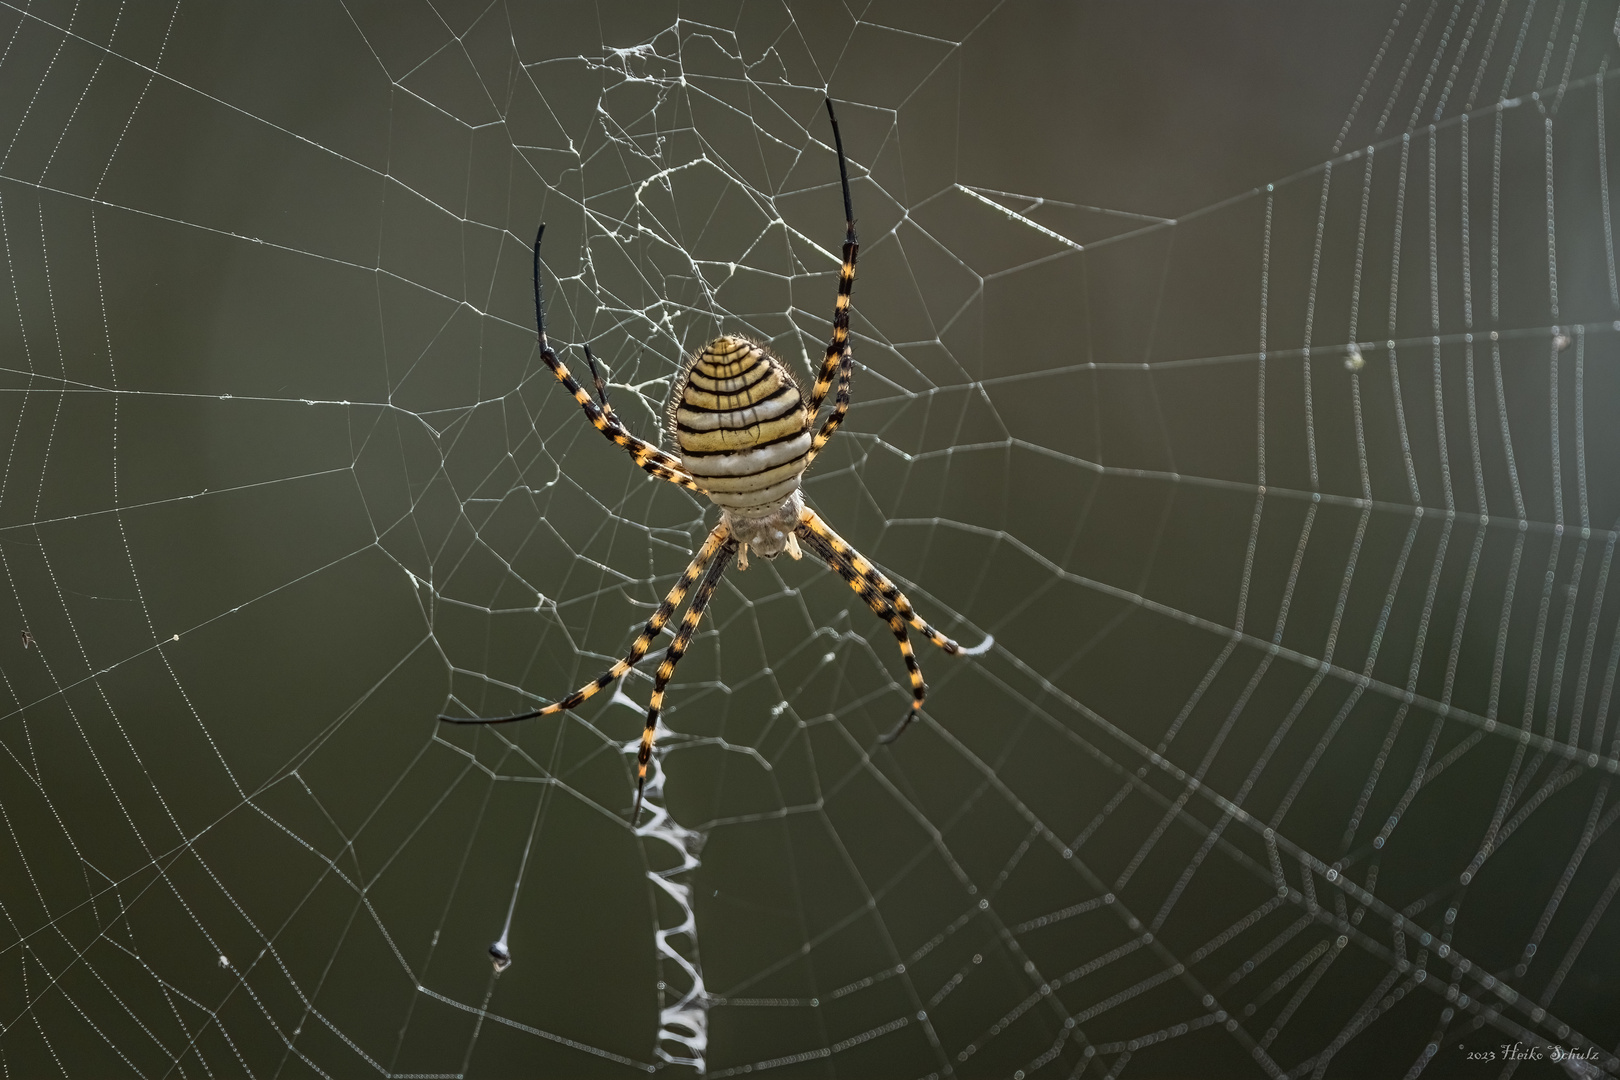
[[602, 417], [655, 625], [741, 425], [606, 421], [677, 649], [742, 428], [886, 601], [840, 357]]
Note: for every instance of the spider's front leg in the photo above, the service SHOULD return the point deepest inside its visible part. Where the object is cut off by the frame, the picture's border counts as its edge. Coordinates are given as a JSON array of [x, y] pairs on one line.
[[602, 417], [601, 387], [840, 359]]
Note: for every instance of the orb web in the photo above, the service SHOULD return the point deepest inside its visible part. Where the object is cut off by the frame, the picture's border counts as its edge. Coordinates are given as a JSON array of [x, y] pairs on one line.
[[1290, 511]]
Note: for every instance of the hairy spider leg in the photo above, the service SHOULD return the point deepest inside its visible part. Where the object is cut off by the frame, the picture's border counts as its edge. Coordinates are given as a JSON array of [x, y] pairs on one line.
[[717, 539], [646, 455], [885, 611], [881, 595], [840, 358], [846, 369], [601, 387], [811, 523], [891, 592], [666, 670]]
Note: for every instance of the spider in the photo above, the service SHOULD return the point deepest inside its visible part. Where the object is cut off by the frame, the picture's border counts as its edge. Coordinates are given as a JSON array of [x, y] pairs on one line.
[[743, 428]]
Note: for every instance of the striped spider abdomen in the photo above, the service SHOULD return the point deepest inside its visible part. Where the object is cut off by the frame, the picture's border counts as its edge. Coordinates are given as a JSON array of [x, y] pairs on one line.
[[739, 421]]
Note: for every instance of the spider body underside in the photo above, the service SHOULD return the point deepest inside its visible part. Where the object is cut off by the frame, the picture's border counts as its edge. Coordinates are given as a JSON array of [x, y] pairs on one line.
[[745, 434]]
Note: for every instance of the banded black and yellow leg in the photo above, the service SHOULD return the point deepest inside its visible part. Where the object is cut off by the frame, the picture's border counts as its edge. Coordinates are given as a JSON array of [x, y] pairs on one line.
[[717, 539], [919, 689], [885, 611], [846, 368], [810, 523], [666, 669], [839, 360], [601, 387], [867, 589], [902, 606], [646, 455]]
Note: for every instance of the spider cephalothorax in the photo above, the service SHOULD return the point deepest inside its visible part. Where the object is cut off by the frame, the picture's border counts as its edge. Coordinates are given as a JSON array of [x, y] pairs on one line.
[[745, 434]]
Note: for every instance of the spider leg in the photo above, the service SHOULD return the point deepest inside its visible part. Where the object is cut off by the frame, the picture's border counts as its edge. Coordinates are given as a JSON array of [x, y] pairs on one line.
[[819, 539], [601, 386], [846, 368], [717, 539], [919, 689], [648, 456], [666, 670], [811, 525], [839, 361]]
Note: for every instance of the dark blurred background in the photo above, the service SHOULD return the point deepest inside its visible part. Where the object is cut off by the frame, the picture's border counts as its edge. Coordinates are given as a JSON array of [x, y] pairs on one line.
[[1245, 369]]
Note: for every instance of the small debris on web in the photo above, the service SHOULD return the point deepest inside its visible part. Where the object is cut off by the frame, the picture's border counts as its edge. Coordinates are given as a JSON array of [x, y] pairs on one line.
[[500, 956]]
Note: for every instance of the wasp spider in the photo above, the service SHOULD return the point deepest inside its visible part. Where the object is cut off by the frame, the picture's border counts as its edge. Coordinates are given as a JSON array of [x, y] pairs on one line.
[[743, 428]]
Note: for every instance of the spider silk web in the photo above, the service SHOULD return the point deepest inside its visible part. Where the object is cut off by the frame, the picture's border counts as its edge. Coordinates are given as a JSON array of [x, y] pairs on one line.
[[1249, 376]]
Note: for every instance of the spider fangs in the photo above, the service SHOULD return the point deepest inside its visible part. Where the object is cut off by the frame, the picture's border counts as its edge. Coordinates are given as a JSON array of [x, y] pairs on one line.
[[744, 432]]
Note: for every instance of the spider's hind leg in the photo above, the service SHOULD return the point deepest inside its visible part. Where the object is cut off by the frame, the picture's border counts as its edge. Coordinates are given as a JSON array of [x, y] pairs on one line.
[[655, 625], [666, 670], [860, 577], [851, 564]]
